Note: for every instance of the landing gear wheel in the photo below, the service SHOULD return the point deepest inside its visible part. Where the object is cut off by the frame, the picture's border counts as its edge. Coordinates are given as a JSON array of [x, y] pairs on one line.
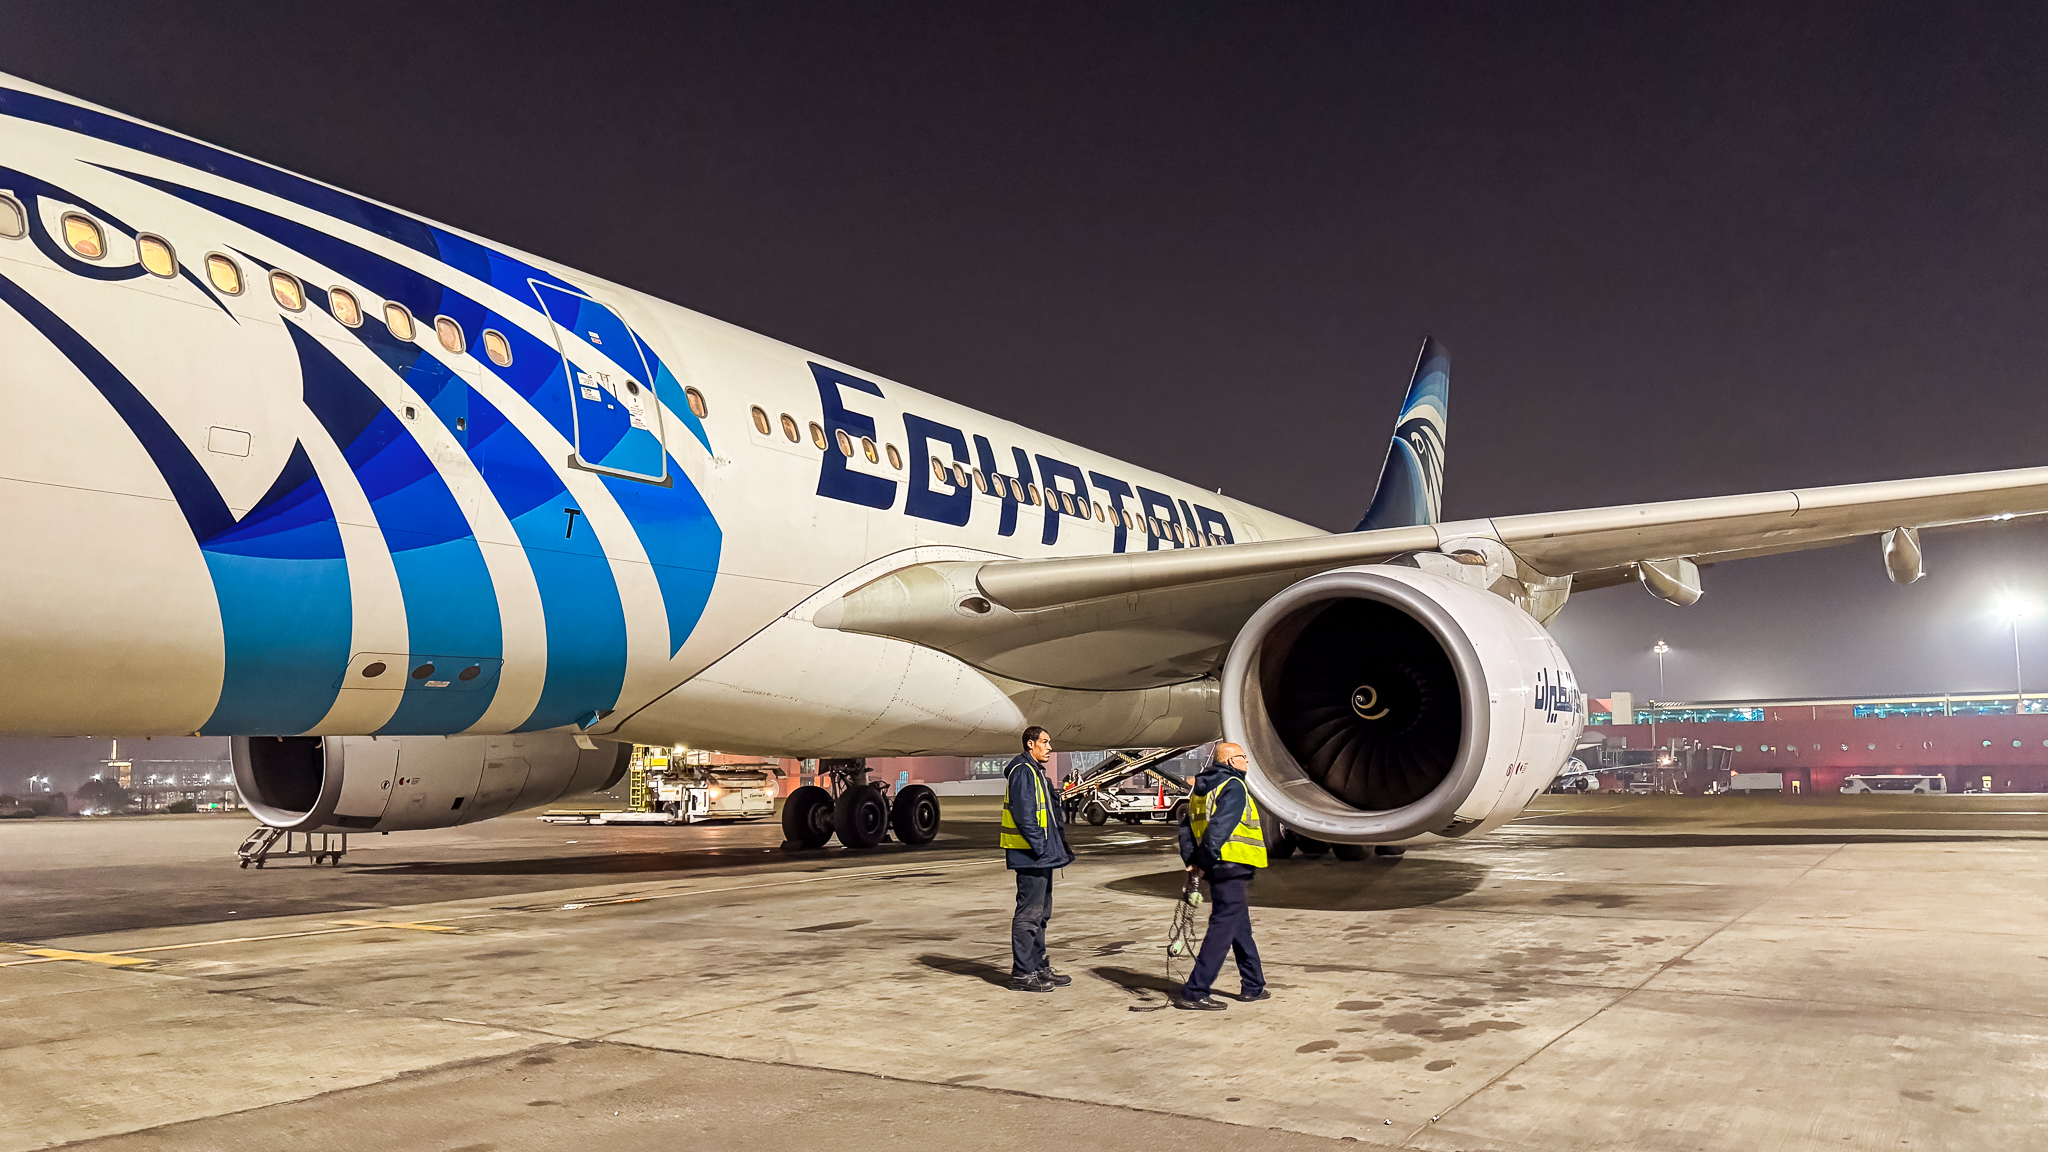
[[1312, 848], [1179, 815], [1095, 814], [807, 817], [1394, 850], [1284, 847], [861, 817], [915, 815], [1348, 851]]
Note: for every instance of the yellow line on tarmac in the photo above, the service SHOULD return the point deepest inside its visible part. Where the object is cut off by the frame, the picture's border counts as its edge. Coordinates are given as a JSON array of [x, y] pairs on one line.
[[108, 958], [422, 927]]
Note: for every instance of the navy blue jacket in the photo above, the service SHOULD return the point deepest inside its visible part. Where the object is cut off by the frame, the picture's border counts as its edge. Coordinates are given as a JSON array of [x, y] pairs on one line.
[[1049, 844], [1222, 820]]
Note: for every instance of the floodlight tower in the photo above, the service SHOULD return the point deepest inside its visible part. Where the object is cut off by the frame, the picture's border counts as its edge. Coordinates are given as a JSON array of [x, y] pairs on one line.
[[2014, 609]]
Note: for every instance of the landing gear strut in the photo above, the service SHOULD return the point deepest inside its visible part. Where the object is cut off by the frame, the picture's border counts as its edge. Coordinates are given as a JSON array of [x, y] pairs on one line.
[[857, 809]]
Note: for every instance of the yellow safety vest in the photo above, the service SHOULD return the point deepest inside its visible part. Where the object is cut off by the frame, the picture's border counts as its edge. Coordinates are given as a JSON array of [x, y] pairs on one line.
[[1247, 843], [1012, 838]]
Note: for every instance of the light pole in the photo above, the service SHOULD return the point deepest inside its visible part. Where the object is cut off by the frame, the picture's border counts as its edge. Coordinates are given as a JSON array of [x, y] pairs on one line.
[[2014, 609], [1660, 649]]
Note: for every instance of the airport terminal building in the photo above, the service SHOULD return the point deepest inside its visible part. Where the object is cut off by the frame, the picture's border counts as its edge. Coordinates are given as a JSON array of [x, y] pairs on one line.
[[1985, 743]]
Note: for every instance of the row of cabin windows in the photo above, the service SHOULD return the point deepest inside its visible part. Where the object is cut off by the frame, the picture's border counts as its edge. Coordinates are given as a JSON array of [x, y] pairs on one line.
[[84, 236]]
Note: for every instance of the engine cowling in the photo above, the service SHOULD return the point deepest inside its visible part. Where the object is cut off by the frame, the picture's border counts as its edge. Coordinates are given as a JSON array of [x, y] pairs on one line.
[[389, 783], [1390, 705]]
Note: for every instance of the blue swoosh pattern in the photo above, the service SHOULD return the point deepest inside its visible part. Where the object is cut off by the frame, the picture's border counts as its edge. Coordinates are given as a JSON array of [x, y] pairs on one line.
[[278, 573]]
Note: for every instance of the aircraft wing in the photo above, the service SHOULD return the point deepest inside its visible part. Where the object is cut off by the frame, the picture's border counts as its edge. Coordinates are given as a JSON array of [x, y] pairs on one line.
[[1142, 619]]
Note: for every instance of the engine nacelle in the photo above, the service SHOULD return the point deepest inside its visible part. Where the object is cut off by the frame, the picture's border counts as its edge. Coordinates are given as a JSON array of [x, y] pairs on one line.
[[388, 783], [1389, 705]]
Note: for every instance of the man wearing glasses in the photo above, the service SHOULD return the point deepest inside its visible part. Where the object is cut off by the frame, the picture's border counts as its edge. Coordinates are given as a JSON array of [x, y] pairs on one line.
[[1034, 843], [1223, 839]]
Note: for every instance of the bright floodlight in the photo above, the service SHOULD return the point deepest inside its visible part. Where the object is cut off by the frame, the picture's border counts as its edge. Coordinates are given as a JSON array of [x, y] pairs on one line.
[[2014, 608], [1661, 648]]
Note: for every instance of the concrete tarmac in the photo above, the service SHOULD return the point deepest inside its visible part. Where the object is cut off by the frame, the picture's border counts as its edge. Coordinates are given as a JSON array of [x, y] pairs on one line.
[[1606, 973]]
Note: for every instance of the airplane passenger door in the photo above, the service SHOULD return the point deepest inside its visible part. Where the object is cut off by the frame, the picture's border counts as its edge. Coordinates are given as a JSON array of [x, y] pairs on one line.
[[617, 420]]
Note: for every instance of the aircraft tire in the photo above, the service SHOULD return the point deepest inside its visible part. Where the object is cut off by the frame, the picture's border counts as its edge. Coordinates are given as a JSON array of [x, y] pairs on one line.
[[807, 817], [1179, 815], [1311, 847], [1350, 851], [915, 815], [1394, 850], [861, 817], [1284, 847], [1095, 814]]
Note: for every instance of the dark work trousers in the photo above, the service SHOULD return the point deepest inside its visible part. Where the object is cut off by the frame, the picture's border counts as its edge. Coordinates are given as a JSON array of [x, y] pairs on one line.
[[1027, 927], [1230, 930]]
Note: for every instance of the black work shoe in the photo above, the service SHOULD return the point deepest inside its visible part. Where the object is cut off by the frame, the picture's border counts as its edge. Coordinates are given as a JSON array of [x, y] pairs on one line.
[[1058, 980], [1205, 1004], [1255, 997], [1034, 982]]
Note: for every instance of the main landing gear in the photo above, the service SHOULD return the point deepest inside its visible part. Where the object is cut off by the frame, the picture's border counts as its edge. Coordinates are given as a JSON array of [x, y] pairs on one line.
[[859, 811]]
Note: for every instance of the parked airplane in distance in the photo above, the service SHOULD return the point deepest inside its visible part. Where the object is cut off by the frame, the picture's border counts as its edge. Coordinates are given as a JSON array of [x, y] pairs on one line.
[[435, 528]]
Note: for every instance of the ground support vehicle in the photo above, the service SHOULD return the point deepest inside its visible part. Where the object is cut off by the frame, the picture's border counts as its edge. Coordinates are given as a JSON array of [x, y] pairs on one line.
[[1129, 786], [1909, 785]]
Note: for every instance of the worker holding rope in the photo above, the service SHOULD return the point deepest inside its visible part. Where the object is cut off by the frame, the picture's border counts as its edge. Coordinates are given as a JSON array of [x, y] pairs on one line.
[[1223, 841]]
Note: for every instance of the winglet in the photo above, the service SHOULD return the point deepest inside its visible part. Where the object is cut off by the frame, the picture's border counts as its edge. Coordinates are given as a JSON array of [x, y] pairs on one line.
[[1411, 488]]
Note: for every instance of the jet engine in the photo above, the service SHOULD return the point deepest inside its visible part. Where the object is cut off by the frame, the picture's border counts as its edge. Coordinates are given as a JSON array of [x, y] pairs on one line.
[[1389, 705], [388, 783]]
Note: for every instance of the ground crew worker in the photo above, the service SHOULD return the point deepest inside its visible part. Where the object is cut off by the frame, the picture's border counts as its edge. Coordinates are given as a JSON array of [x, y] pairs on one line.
[[1034, 843], [1223, 840]]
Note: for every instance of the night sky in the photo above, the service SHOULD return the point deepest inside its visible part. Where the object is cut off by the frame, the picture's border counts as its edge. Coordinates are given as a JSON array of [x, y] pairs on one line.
[[1674, 252]]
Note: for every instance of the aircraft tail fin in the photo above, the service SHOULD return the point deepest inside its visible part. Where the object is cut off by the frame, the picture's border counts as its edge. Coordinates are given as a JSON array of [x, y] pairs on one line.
[[1411, 487]]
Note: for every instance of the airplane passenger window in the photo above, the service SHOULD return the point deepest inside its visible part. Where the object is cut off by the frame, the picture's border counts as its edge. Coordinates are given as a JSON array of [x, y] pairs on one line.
[[817, 436], [1031, 495], [450, 335], [1151, 526], [225, 274], [285, 289], [695, 400], [156, 253], [980, 481], [1066, 504], [789, 429], [497, 348], [13, 221], [399, 321], [84, 236], [342, 303], [960, 481], [939, 471], [895, 457], [845, 442], [1178, 538], [1016, 489], [867, 449], [760, 419]]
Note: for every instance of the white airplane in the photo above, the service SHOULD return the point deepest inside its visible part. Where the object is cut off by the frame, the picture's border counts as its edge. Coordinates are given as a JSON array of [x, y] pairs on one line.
[[435, 528]]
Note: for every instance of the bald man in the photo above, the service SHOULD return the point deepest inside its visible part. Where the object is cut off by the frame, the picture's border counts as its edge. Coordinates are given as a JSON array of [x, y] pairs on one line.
[[1223, 840]]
